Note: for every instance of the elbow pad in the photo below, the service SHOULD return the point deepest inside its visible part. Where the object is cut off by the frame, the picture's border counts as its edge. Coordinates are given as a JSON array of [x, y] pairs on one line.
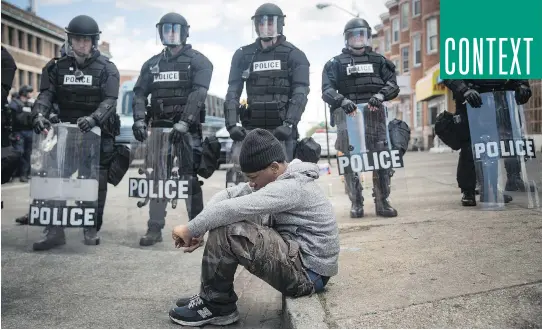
[[194, 105]]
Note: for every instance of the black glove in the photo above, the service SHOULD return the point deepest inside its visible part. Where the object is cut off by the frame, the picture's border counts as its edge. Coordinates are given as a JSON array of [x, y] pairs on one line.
[[40, 124], [376, 100], [348, 106], [473, 97], [86, 124], [237, 133], [179, 129], [523, 94], [53, 118], [140, 130], [282, 133]]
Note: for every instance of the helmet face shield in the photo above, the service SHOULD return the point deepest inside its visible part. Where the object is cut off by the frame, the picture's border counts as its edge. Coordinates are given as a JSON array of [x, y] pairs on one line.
[[266, 27], [357, 38], [170, 34]]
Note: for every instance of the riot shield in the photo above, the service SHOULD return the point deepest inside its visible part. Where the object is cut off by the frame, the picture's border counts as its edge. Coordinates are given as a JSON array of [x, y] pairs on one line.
[[367, 160], [165, 173], [64, 186], [507, 169], [234, 175]]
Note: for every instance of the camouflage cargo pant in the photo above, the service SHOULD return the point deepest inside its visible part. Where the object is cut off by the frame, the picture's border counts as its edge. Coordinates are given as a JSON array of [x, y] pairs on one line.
[[262, 251]]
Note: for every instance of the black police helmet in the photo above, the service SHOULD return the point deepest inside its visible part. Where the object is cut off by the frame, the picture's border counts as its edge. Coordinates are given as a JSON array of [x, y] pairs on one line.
[[174, 18], [357, 22], [270, 9], [25, 90], [84, 25]]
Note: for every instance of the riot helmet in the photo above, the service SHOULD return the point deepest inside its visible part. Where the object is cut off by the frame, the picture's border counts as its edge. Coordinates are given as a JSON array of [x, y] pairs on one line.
[[268, 21], [357, 34], [173, 30], [83, 35], [25, 90]]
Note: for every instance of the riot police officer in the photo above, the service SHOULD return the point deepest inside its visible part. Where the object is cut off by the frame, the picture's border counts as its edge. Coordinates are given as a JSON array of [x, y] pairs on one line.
[[469, 91], [276, 74], [180, 103], [81, 104], [343, 87], [22, 129]]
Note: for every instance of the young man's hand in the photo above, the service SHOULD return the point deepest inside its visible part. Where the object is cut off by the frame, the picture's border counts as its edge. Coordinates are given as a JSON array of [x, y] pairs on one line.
[[195, 243], [181, 236]]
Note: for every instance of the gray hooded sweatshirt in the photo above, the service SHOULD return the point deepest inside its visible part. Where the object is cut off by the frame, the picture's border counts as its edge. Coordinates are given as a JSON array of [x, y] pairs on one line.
[[299, 208]]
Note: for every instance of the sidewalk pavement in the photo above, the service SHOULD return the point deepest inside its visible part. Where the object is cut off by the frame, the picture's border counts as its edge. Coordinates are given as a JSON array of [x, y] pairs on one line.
[[436, 265]]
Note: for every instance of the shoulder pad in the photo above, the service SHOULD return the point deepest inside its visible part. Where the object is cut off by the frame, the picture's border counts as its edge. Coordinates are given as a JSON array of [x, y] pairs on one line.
[[288, 45], [390, 64]]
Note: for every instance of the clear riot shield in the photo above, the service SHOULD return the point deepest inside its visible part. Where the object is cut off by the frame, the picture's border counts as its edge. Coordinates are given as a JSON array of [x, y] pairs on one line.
[[507, 169], [367, 161], [234, 175], [163, 175], [64, 186]]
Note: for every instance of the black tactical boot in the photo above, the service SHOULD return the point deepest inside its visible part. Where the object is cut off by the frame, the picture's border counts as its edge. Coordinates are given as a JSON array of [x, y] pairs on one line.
[[356, 211], [54, 236], [468, 199], [91, 236], [516, 183], [22, 220], [355, 193], [381, 192], [151, 237]]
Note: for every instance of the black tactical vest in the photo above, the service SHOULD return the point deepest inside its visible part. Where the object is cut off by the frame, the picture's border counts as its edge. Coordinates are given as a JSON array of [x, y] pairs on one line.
[[268, 86], [359, 77], [170, 88], [78, 97], [359, 80]]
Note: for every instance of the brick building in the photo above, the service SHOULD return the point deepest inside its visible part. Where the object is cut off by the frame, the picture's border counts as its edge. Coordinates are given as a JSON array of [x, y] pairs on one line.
[[32, 41]]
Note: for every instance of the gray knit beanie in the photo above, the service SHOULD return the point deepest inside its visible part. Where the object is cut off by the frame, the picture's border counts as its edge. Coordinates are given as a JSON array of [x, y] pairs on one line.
[[260, 148]]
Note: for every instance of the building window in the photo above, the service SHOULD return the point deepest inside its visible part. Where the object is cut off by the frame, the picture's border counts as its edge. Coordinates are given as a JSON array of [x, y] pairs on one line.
[[38, 83], [405, 13], [56, 50], [416, 8], [404, 59], [397, 66], [417, 50], [419, 114], [21, 78], [387, 40], [29, 42], [30, 80], [21, 39], [38, 46], [431, 35], [395, 28], [11, 32]]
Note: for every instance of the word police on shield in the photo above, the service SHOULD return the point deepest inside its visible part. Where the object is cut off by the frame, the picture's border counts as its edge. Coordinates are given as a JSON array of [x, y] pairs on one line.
[[170, 189], [506, 148], [371, 161], [67, 216]]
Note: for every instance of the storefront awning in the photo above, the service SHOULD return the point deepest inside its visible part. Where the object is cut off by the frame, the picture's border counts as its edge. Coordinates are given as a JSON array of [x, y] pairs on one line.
[[430, 86]]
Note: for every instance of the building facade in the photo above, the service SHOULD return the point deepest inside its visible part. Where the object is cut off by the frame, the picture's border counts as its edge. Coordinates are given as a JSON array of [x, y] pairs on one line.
[[32, 41]]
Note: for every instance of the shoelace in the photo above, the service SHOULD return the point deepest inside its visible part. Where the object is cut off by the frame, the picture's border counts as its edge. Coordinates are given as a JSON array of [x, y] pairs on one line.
[[195, 301]]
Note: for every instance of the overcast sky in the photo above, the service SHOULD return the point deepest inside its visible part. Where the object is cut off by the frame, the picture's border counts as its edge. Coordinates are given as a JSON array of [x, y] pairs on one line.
[[217, 29]]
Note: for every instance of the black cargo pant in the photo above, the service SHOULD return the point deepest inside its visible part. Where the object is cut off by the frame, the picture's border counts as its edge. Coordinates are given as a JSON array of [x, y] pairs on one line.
[[188, 167], [263, 252]]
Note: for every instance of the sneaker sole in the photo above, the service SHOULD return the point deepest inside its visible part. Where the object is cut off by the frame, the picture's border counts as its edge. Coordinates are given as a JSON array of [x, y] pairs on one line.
[[219, 320]]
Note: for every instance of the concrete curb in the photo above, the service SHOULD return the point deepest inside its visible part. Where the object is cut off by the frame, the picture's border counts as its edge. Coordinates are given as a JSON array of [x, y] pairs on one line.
[[303, 313]]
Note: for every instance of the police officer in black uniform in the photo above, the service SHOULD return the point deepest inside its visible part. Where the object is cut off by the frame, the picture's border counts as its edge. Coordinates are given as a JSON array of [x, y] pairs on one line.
[[469, 90], [276, 74], [177, 103], [343, 86], [22, 128], [87, 106], [10, 157]]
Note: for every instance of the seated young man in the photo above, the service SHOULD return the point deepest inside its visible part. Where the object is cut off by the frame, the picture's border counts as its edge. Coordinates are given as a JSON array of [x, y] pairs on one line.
[[296, 254]]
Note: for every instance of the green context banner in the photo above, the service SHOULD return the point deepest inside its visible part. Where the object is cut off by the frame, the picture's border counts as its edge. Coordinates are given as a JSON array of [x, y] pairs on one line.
[[497, 39]]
